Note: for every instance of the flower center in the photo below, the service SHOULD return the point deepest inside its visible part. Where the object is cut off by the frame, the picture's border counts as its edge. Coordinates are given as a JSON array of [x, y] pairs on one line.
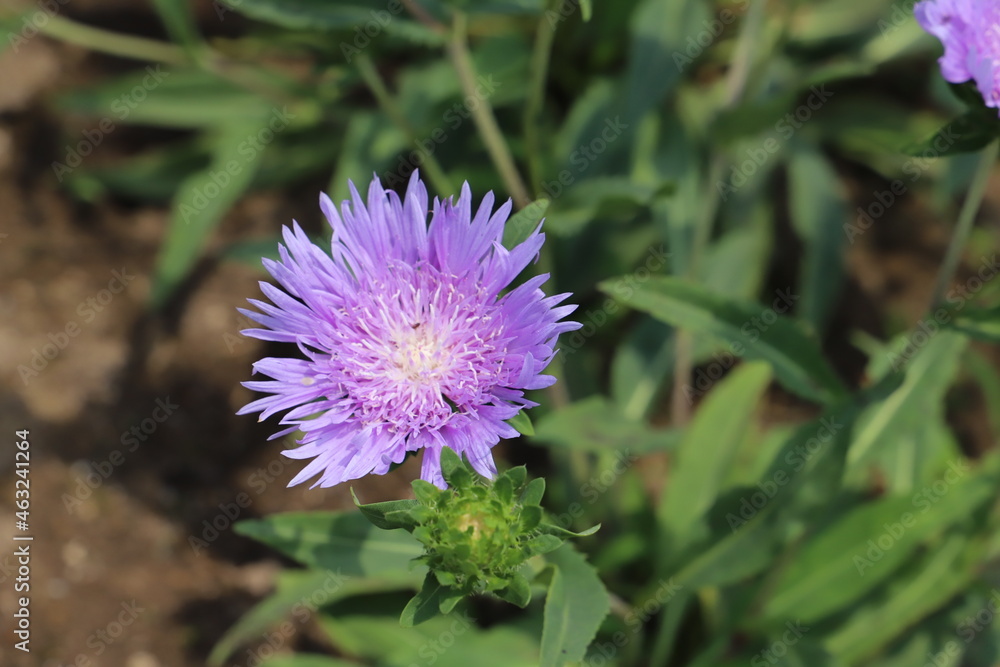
[[419, 356]]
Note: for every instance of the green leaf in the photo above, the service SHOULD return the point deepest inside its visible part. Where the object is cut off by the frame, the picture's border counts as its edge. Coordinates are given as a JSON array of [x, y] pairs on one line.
[[200, 204], [518, 592], [296, 588], [371, 16], [388, 515], [586, 10], [928, 377], [559, 531], [818, 210], [970, 132], [978, 323], [924, 587], [307, 660], [182, 98], [542, 544], [533, 492], [595, 424], [753, 330], [520, 226], [862, 549], [425, 605], [707, 450], [522, 423], [180, 23], [337, 541], [576, 605]]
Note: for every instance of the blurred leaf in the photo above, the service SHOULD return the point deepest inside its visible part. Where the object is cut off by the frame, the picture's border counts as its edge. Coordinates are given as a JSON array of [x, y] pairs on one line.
[[659, 30], [594, 424], [862, 549], [795, 357], [707, 449], [522, 423], [300, 593], [575, 607], [179, 98], [922, 588], [154, 176], [344, 542], [970, 132], [978, 323], [360, 630], [365, 17], [202, 201], [180, 23], [424, 605], [928, 376], [251, 251], [818, 211], [520, 225], [307, 660]]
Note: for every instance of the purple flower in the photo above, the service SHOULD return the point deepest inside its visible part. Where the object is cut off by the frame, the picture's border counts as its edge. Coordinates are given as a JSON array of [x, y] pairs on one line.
[[408, 343], [970, 33]]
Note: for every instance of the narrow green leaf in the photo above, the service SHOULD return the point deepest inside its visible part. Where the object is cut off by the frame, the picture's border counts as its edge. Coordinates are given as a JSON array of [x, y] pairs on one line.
[[753, 330], [576, 605], [425, 605], [818, 211], [533, 492], [595, 424], [388, 515], [862, 549], [337, 541], [707, 450], [200, 204]]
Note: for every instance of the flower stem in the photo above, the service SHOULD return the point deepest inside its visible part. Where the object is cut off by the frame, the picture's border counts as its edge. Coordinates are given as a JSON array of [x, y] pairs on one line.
[[113, 43], [482, 114], [374, 81], [541, 54], [966, 218]]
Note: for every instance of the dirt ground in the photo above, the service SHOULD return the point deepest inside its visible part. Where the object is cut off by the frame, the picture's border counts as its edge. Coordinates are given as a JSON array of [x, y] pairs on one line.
[[115, 579]]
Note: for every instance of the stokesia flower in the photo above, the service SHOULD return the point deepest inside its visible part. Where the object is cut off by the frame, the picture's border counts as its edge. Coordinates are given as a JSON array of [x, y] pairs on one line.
[[969, 30], [408, 343]]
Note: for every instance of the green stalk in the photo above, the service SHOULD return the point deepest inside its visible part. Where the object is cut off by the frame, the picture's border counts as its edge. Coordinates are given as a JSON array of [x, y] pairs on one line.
[[482, 114], [113, 43], [431, 166], [541, 54], [966, 219]]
